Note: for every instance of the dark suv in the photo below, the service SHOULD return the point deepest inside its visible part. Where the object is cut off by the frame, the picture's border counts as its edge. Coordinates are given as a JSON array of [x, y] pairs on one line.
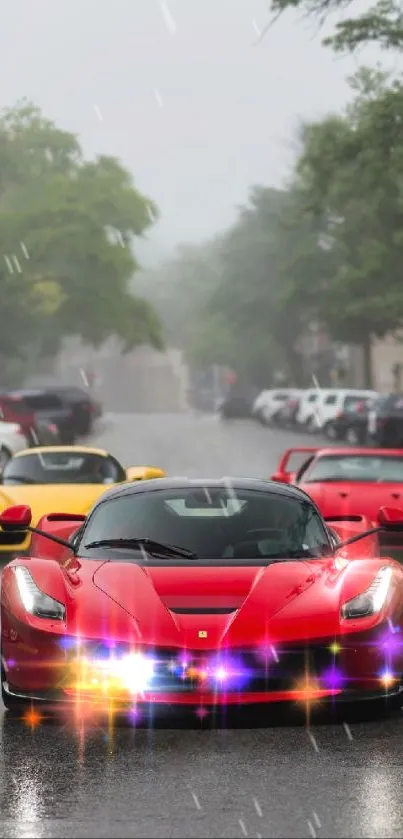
[[84, 409], [39, 431], [385, 422], [48, 406]]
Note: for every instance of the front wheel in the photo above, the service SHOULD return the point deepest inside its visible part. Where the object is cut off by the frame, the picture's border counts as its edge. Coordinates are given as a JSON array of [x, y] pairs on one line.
[[311, 425], [353, 437], [330, 431]]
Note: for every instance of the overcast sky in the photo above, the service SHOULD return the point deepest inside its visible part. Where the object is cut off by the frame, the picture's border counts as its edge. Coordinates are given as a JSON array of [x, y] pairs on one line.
[[198, 114]]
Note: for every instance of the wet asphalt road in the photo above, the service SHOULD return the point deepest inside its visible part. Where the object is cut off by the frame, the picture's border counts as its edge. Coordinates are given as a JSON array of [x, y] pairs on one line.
[[276, 779]]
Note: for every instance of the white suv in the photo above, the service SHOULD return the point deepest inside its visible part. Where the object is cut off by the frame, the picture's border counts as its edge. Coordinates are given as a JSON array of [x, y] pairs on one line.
[[306, 414], [269, 402], [330, 403], [12, 440]]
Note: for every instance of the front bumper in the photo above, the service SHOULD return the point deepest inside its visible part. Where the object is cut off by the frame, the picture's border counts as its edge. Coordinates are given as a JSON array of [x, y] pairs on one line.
[[202, 701], [355, 668]]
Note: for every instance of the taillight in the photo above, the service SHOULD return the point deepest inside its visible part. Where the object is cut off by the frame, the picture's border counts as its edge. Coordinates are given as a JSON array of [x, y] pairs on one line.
[[339, 414]]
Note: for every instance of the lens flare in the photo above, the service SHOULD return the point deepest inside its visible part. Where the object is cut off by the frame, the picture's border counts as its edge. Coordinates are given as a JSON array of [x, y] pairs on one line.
[[387, 679], [333, 678], [32, 718], [131, 674], [391, 643], [307, 690]]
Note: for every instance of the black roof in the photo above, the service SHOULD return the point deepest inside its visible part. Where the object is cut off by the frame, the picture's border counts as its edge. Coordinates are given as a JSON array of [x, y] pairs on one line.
[[122, 490]]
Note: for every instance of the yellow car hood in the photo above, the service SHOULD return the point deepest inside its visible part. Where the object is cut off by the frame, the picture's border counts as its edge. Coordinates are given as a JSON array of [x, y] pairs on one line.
[[53, 498]]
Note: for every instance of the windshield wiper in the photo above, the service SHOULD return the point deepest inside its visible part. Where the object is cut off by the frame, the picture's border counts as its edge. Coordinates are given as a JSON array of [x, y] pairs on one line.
[[150, 546]]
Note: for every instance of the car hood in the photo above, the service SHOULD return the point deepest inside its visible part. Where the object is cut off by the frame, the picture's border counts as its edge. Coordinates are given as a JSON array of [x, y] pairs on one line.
[[201, 607], [52, 498], [355, 498]]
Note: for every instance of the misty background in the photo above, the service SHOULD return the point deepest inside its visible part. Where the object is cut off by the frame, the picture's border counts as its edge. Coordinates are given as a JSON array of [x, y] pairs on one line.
[[230, 109]]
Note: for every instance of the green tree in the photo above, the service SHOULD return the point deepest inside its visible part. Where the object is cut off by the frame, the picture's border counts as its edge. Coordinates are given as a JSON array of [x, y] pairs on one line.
[[67, 228], [381, 24], [350, 179]]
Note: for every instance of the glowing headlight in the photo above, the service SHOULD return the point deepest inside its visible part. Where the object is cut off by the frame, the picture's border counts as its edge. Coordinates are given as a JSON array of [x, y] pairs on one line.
[[35, 601], [371, 601]]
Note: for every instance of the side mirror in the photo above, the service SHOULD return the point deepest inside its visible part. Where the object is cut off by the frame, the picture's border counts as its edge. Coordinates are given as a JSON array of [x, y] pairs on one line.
[[391, 518], [144, 473], [18, 517], [281, 477]]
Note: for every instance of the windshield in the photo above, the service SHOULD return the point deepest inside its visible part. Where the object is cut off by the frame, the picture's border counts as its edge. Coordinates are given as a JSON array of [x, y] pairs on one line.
[[360, 468], [63, 468], [211, 524]]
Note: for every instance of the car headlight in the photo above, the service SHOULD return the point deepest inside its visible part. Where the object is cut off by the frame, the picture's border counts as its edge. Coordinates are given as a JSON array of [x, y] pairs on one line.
[[371, 601], [35, 601]]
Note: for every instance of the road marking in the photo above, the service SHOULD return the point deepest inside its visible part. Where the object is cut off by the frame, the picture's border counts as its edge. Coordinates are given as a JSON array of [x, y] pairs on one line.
[[311, 829]]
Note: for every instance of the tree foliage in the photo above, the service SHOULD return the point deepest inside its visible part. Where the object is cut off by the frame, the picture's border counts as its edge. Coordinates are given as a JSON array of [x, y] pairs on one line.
[[381, 24], [328, 249], [67, 226]]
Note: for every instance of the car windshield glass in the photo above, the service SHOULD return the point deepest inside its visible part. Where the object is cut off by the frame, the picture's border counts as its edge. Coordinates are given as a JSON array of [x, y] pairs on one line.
[[211, 523], [367, 468], [72, 467]]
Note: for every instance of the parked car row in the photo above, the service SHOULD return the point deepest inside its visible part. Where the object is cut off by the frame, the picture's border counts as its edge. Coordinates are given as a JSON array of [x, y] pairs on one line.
[[44, 417], [341, 414]]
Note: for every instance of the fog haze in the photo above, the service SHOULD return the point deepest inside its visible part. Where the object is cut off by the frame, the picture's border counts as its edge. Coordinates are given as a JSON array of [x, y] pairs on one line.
[[198, 116]]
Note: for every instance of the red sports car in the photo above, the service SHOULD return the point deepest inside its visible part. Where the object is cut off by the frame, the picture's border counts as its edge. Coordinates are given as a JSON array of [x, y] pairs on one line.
[[351, 481], [200, 593]]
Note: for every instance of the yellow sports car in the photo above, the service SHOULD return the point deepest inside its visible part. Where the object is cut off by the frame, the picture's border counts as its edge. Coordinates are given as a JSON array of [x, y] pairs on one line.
[[66, 479]]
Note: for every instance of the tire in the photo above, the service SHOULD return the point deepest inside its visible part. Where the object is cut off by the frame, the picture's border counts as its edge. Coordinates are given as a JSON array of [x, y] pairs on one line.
[[352, 437], [5, 457], [310, 425], [330, 431]]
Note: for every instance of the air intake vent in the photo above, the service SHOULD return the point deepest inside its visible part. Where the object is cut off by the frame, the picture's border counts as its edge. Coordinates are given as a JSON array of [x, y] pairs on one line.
[[226, 610]]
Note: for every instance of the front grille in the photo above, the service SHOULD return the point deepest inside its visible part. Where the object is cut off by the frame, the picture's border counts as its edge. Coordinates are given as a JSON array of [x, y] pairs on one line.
[[220, 610], [248, 671]]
